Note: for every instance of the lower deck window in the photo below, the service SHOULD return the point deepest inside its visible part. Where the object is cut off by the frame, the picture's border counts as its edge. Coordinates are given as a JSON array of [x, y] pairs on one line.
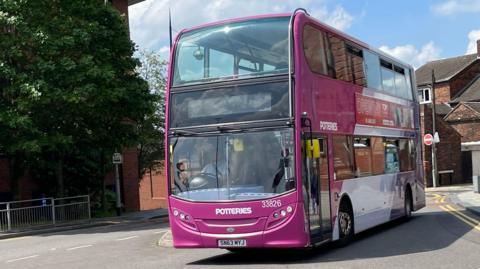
[[366, 156], [343, 162]]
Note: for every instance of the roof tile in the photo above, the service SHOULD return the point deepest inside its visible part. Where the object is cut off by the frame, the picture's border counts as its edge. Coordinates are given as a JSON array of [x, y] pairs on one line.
[[444, 69]]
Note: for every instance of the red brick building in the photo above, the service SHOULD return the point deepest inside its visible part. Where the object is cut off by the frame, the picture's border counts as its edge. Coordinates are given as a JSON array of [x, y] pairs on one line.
[[457, 98]]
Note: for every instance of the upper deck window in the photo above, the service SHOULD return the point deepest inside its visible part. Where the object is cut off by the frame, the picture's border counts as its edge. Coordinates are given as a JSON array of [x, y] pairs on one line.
[[330, 55], [234, 50]]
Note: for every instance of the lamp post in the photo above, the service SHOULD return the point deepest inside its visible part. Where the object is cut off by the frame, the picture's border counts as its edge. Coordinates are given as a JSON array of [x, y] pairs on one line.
[[434, 132]]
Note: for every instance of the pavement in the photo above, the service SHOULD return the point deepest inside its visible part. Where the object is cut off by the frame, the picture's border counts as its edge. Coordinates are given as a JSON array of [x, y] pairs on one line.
[[462, 195], [157, 215]]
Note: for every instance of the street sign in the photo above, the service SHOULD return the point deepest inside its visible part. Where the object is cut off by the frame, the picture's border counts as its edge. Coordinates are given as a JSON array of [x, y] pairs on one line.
[[117, 158], [428, 139], [436, 138]]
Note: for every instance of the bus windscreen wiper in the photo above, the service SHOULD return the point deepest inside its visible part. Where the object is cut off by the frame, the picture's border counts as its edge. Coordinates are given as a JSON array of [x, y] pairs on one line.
[[226, 128], [183, 132]]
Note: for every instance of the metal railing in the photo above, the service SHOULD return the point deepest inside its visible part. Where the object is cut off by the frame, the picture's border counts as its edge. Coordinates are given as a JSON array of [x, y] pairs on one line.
[[26, 214]]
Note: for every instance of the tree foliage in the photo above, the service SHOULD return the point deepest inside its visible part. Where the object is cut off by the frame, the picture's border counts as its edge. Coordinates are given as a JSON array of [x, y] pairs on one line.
[[151, 146], [69, 95]]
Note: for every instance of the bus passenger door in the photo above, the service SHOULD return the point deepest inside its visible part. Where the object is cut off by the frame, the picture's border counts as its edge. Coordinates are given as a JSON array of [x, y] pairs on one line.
[[318, 188]]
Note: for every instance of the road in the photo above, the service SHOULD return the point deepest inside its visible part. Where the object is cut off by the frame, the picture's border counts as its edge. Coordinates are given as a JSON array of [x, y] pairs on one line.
[[439, 236]]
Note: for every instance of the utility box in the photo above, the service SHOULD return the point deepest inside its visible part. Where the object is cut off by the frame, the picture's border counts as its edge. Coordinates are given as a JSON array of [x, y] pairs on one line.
[[476, 184]]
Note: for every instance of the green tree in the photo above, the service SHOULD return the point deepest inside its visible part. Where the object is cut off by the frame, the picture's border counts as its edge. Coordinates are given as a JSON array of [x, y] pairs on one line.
[[151, 147], [69, 93]]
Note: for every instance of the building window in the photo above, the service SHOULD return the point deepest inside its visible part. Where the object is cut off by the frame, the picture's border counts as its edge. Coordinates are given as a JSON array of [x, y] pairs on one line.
[[424, 96]]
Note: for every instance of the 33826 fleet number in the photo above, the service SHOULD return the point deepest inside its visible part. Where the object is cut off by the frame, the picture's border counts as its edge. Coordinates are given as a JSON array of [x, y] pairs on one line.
[[271, 203]]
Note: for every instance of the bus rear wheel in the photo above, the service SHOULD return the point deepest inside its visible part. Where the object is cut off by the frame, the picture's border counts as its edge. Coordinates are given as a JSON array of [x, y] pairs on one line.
[[408, 205], [345, 224]]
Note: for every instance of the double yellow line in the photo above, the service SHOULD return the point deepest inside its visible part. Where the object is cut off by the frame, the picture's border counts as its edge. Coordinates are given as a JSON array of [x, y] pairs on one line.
[[475, 224]]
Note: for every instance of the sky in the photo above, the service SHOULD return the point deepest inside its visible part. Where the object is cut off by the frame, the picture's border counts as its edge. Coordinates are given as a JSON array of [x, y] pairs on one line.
[[415, 31]]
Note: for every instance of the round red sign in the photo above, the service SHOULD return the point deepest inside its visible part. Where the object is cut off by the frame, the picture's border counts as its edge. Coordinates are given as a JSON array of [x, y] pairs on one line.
[[428, 139]]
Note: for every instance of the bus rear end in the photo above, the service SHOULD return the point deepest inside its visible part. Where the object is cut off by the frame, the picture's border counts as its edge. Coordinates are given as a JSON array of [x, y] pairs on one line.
[[233, 175]]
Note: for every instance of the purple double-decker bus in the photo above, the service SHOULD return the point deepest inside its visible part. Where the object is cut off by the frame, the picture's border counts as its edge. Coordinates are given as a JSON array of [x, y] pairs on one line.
[[283, 132]]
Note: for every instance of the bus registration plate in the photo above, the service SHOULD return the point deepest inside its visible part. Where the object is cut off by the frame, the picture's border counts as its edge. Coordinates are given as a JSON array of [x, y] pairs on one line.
[[232, 243]]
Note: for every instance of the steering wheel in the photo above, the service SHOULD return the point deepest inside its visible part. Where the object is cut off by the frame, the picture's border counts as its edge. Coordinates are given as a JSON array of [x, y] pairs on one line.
[[203, 181]]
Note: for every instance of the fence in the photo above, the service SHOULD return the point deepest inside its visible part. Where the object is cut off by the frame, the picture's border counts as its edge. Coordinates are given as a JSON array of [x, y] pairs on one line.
[[20, 215]]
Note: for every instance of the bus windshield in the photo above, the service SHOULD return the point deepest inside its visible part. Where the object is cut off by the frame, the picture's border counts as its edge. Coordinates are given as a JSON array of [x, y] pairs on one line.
[[239, 49], [227, 167]]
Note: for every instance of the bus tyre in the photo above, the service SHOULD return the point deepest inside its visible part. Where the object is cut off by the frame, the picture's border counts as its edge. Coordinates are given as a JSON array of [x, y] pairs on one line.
[[345, 224], [408, 205]]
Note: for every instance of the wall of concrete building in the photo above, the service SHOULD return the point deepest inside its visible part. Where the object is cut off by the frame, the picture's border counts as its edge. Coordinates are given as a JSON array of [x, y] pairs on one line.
[[476, 162], [449, 155]]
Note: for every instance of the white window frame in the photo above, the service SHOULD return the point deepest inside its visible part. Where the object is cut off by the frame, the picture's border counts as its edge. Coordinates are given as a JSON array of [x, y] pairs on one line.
[[422, 99]]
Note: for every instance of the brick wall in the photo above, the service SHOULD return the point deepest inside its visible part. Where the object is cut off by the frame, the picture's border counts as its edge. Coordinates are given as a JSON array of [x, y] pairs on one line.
[[4, 175], [153, 189], [442, 93], [122, 6], [461, 80], [27, 187], [469, 130], [448, 150], [130, 179], [466, 122]]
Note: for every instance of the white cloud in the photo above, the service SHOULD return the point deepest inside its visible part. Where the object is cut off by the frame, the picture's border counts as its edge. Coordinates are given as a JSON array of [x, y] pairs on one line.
[[473, 36], [164, 52], [452, 7], [410, 54], [149, 19]]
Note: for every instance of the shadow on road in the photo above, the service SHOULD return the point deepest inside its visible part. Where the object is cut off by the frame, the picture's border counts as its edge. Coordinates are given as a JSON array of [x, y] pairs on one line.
[[426, 231]]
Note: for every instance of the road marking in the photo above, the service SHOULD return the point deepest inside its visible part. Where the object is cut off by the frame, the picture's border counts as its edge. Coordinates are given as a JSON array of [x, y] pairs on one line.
[[126, 238], [20, 259], [437, 198], [464, 215], [15, 238], [74, 248], [461, 216]]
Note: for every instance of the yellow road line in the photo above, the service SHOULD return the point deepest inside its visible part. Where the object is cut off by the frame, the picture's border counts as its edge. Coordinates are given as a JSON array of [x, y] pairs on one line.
[[459, 216], [464, 215], [14, 239], [439, 198]]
